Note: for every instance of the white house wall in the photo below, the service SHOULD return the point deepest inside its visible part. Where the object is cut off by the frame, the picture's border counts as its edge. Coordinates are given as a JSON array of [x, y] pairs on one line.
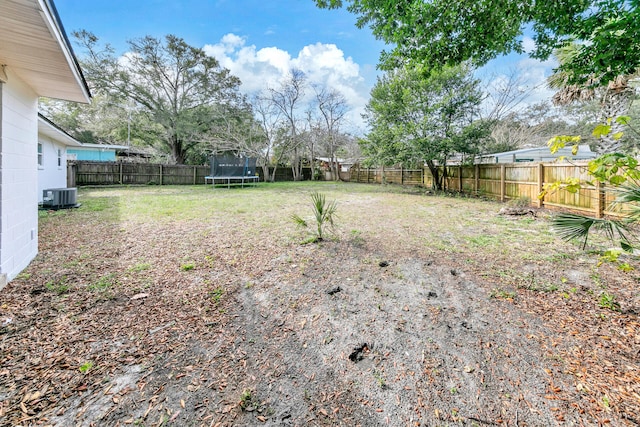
[[18, 176], [50, 175]]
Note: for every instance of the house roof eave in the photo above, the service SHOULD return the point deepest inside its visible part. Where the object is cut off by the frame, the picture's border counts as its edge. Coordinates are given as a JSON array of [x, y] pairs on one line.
[[53, 131], [34, 48]]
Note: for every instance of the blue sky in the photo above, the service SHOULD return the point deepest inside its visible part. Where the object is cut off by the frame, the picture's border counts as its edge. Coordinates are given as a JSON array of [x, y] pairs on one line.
[[260, 40]]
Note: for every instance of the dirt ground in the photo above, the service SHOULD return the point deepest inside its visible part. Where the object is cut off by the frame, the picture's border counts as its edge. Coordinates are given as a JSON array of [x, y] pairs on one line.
[[230, 321]]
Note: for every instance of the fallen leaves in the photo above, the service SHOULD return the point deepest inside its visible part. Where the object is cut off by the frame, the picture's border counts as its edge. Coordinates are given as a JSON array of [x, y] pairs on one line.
[[198, 354]]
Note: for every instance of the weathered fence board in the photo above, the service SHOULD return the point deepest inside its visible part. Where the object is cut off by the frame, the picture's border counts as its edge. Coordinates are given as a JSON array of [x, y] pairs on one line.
[[499, 181], [82, 173], [507, 181], [113, 173]]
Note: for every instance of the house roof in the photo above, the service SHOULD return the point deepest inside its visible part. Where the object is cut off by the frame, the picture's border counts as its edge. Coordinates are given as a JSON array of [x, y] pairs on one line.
[[34, 45], [582, 150], [53, 131], [102, 147]]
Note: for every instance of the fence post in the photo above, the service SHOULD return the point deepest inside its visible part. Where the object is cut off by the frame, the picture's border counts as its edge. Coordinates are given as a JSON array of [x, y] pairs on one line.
[[540, 202], [460, 178], [476, 179], [600, 199], [71, 175], [401, 176], [121, 173], [503, 183], [160, 174], [194, 175]]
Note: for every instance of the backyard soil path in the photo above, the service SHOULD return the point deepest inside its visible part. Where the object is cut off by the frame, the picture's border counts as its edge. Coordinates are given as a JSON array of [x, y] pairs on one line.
[[175, 323]]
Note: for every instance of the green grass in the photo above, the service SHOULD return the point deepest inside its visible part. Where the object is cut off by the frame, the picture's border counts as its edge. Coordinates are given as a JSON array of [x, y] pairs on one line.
[[464, 228], [59, 286], [485, 240], [216, 295], [502, 294], [103, 283], [86, 367], [143, 266], [188, 266]]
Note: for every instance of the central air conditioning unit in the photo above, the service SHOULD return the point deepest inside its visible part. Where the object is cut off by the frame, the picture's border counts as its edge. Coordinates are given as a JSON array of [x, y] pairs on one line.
[[59, 198]]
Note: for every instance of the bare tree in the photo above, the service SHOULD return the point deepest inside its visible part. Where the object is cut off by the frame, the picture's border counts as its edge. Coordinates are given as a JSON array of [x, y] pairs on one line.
[[333, 108], [313, 138], [269, 117], [505, 95], [287, 98]]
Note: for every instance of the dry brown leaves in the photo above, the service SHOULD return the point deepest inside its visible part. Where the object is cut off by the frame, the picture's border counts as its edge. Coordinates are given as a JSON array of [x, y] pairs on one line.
[[121, 322]]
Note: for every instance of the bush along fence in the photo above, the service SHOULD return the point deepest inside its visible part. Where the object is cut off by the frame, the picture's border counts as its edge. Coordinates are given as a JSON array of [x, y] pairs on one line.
[[507, 181], [83, 173]]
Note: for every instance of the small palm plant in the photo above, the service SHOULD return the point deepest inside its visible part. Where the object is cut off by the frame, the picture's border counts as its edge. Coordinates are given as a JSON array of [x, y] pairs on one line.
[[324, 213], [573, 226], [622, 173]]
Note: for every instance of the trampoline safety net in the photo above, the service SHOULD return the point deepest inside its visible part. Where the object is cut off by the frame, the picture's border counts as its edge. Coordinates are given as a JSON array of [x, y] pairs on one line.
[[232, 166]]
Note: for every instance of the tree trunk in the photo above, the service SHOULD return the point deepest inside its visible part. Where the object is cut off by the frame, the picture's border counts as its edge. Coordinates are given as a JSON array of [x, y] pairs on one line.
[[265, 172], [296, 166], [435, 173], [616, 102], [177, 151], [273, 173], [333, 165]]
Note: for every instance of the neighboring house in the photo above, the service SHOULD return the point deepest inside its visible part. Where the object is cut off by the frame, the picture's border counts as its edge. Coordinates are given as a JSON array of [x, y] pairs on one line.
[[36, 60], [95, 152], [137, 155], [524, 155], [53, 144], [538, 154], [343, 164]]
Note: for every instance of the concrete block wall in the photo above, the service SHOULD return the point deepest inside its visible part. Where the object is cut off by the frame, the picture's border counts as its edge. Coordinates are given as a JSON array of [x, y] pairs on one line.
[[18, 176]]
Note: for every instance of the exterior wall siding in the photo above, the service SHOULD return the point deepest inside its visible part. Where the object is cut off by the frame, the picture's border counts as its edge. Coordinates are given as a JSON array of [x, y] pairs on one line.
[[50, 175], [18, 176]]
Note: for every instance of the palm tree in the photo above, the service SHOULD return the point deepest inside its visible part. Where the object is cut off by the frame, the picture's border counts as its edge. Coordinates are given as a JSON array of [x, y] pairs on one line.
[[615, 97]]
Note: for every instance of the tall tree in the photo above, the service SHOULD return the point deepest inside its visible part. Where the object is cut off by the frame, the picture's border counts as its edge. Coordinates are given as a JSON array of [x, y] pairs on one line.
[[232, 128], [438, 32], [419, 116], [176, 85]]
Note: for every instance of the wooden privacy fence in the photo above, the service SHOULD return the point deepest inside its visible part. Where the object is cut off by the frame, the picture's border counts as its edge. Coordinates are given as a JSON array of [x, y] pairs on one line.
[[507, 181], [388, 176], [81, 173]]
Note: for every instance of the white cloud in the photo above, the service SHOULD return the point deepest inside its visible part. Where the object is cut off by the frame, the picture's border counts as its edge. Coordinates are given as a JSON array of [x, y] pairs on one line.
[[534, 74], [323, 64], [528, 44], [232, 41]]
